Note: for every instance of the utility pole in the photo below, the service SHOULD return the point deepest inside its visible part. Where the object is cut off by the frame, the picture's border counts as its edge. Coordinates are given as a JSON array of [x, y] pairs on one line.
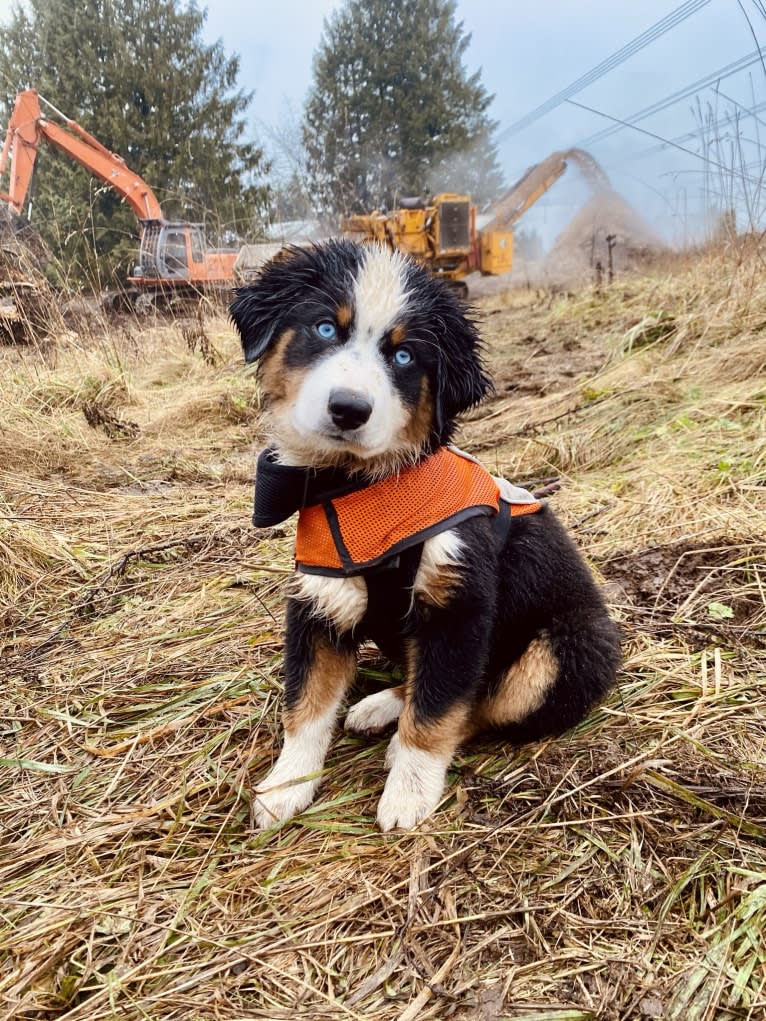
[[611, 241]]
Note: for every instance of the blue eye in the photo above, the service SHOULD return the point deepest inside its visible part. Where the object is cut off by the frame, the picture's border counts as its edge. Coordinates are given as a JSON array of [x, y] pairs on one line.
[[326, 330], [403, 356]]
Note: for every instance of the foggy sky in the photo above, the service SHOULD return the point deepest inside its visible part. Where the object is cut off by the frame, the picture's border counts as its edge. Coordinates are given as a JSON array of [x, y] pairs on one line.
[[529, 51]]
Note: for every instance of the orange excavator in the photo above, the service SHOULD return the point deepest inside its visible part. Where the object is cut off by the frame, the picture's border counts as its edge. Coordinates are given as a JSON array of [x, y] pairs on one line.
[[173, 256]]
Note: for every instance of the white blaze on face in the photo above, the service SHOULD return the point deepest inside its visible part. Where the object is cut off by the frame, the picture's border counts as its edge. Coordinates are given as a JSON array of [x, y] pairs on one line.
[[379, 299], [380, 294]]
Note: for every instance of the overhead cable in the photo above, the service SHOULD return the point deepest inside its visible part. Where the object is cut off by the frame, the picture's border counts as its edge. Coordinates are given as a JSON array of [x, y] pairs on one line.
[[666, 141], [664, 25], [676, 97]]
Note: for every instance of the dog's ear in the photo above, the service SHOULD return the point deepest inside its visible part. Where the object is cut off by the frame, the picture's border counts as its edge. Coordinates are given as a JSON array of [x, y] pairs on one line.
[[462, 380], [256, 308], [255, 319]]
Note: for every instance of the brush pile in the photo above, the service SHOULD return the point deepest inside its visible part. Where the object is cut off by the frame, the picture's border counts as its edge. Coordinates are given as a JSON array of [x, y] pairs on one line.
[[27, 308], [585, 242], [615, 874]]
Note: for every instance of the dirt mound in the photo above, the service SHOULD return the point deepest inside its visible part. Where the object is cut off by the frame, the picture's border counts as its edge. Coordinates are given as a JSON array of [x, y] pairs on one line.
[[27, 309], [583, 244]]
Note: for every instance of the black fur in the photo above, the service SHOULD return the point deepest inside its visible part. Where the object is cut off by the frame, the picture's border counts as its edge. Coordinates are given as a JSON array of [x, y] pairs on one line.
[[529, 585], [544, 587], [301, 283], [454, 356], [533, 584]]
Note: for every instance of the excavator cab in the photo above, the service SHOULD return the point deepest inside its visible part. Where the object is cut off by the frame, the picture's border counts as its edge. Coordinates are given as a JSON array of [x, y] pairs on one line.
[[170, 252], [176, 253], [173, 255]]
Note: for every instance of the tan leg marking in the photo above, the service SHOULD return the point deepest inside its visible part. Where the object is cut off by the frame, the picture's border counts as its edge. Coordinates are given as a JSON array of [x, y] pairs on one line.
[[440, 736], [522, 688], [417, 757], [329, 678], [293, 781]]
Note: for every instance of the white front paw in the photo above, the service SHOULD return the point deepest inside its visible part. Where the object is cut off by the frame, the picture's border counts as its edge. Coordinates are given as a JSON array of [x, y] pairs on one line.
[[293, 781], [413, 789], [392, 751], [375, 713], [276, 801]]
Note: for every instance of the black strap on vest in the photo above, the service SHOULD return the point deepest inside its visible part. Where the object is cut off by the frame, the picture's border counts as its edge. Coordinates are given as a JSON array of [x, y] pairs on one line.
[[501, 523], [281, 490]]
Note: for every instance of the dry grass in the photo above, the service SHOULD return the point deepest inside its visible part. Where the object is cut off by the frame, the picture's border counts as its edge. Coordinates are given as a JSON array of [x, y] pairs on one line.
[[618, 873]]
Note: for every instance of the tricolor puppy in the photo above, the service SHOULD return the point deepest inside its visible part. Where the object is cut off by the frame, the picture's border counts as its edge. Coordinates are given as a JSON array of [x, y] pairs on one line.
[[467, 582]]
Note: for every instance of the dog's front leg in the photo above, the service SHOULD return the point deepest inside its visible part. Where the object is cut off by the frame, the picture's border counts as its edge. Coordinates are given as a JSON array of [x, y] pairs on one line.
[[446, 663], [320, 665]]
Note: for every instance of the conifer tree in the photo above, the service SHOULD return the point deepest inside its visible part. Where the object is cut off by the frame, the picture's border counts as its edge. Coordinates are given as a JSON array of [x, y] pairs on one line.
[[139, 76], [393, 111]]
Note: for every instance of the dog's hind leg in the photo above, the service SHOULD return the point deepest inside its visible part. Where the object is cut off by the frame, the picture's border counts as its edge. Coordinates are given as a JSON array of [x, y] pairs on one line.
[[522, 688], [560, 676], [320, 667]]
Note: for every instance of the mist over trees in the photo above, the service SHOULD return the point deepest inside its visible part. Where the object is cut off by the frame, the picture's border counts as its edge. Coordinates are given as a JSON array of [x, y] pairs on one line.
[[139, 76], [393, 111]]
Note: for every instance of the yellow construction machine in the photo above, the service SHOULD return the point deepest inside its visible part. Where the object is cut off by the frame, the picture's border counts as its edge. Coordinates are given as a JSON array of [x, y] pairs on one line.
[[439, 232], [442, 232]]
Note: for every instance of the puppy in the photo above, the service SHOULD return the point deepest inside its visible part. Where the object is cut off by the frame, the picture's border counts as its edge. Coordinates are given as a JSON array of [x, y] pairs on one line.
[[365, 361]]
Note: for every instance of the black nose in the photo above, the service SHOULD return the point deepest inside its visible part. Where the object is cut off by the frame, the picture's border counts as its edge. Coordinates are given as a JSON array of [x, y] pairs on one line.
[[348, 410]]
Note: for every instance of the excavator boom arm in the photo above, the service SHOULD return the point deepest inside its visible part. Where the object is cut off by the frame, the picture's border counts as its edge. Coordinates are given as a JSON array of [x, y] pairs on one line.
[[25, 129], [512, 204]]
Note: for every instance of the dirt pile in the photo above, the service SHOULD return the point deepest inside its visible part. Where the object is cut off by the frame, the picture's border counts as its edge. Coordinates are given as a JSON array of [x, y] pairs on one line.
[[583, 244], [27, 311], [22, 250]]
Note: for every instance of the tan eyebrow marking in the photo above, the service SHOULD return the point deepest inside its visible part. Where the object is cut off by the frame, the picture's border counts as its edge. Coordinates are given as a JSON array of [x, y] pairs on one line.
[[344, 315]]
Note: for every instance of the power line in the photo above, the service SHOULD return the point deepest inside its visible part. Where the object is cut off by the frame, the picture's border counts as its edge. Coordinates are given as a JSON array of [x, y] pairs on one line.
[[712, 126], [676, 97], [620, 56], [667, 141], [747, 111]]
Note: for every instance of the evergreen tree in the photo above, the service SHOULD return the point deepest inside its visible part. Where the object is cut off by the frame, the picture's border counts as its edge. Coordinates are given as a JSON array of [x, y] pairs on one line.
[[393, 111], [138, 75]]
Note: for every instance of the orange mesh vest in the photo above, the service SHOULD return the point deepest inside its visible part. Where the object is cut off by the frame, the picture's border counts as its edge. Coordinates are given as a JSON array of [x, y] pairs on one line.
[[359, 530]]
